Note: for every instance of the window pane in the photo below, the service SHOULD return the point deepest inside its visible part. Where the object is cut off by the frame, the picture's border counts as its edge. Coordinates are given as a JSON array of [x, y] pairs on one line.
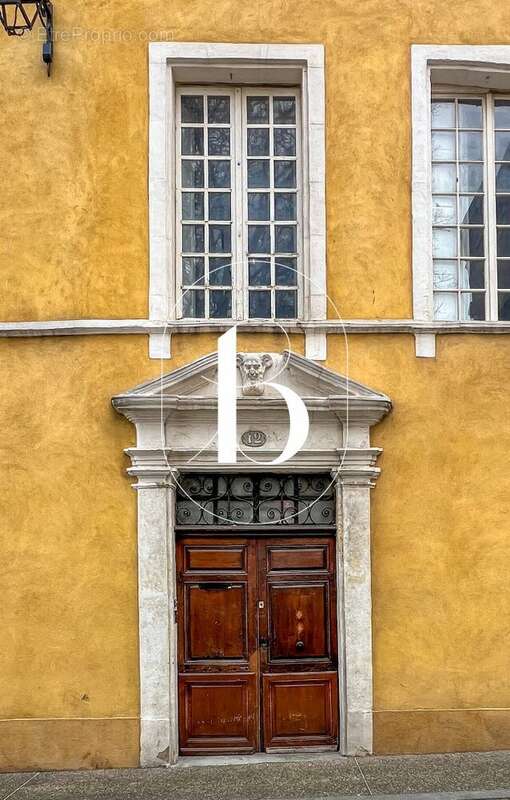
[[443, 114], [471, 146], [470, 114], [503, 177], [259, 239], [219, 239], [193, 238], [284, 110], [258, 174], [472, 306], [285, 174], [445, 306], [219, 141], [471, 178], [286, 304], [286, 271], [285, 239], [192, 205], [444, 242], [218, 109], [503, 242], [472, 274], [192, 270], [259, 304], [258, 141], [193, 304], [445, 274], [503, 146], [471, 242], [444, 178], [285, 205], [470, 210], [192, 174], [443, 146], [220, 272], [504, 306], [503, 274], [220, 303], [192, 108], [192, 141], [502, 113], [444, 210], [257, 110], [503, 210], [258, 205], [219, 174], [219, 205], [259, 273], [285, 142]]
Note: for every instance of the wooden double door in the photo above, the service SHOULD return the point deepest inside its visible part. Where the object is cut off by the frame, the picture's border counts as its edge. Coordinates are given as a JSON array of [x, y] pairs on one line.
[[257, 643]]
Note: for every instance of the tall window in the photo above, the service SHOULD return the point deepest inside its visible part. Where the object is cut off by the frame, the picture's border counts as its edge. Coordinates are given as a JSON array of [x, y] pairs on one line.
[[471, 207], [238, 203]]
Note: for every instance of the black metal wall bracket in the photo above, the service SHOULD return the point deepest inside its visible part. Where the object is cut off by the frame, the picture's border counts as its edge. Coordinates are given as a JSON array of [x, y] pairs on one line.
[[18, 16], [46, 16]]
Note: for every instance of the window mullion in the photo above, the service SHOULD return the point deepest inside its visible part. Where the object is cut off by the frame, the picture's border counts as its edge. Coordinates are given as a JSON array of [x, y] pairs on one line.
[[490, 226]]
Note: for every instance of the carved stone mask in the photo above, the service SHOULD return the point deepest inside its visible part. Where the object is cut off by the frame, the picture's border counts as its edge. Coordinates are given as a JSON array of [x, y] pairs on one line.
[[253, 367]]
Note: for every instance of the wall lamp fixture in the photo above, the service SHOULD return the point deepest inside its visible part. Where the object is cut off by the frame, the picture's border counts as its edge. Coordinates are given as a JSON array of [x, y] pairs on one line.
[[17, 17]]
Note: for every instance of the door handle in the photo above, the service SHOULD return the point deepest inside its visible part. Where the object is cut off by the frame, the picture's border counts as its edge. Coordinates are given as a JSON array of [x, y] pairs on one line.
[[300, 645], [263, 642]]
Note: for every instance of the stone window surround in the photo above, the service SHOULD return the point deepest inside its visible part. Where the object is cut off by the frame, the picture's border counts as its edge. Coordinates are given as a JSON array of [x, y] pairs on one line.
[[192, 62], [155, 469], [493, 59]]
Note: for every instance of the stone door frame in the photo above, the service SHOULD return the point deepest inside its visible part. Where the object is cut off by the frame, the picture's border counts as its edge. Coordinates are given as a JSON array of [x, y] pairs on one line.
[[157, 470]]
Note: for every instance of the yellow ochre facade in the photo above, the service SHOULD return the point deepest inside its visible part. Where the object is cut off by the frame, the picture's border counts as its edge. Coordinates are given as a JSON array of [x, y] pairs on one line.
[[75, 246]]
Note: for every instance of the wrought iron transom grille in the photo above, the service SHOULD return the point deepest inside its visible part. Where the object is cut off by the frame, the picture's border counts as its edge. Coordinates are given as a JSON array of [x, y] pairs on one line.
[[208, 499]]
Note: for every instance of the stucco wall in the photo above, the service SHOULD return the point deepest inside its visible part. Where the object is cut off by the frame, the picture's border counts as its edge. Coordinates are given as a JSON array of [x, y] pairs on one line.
[[74, 244], [440, 543]]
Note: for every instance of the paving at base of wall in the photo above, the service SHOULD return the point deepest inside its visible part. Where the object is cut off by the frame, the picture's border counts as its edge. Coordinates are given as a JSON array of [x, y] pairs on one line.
[[464, 776]]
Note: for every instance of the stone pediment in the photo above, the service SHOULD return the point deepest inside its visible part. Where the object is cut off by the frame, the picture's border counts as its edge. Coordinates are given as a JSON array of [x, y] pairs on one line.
[[176, 417], [194, 386]]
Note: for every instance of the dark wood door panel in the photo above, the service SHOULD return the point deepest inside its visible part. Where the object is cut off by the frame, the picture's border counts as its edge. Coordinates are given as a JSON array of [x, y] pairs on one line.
[[218, 714], [217, 604], [299, 621], [298, 588], [300, 710], [216, 621], [296, 558], [206, 558]]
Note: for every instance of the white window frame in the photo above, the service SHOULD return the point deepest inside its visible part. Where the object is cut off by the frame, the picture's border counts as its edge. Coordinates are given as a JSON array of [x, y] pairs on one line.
[[492, 64], [239, 200], [275, 65], [459, 93]]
